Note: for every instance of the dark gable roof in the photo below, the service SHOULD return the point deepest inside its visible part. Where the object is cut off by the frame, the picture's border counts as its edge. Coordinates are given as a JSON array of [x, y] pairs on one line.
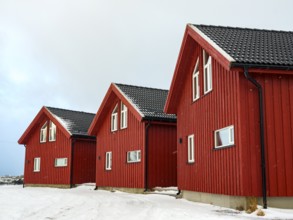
[[252, 46], [149, 102], [77, 123]]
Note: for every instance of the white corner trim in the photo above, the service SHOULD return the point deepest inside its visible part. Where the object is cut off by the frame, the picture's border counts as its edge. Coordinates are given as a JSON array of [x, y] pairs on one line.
[[133, 105], [212, 43]]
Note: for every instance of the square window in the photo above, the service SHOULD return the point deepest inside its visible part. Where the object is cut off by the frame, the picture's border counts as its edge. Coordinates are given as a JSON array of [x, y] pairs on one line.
[[60, 162], [133, 156], [224, 137]]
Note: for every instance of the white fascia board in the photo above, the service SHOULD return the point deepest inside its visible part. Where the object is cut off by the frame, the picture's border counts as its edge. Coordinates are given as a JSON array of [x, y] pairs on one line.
[[129, 100], [212, 43]]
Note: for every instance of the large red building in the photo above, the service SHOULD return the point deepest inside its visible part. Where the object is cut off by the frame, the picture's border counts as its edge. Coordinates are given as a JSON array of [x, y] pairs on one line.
[[58, 150], [232, 92], [136, 140]]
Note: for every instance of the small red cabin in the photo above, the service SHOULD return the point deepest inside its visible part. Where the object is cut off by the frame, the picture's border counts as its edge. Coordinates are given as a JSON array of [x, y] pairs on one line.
[[58, 150], [136, 140], [232, 92]]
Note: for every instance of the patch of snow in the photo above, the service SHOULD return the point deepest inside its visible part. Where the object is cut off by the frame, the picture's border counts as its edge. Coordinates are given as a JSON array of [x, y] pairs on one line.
[[84, 202], [67, 124]]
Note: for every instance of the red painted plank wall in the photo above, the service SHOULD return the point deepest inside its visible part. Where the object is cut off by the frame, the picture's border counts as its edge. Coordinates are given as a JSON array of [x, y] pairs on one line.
[[214, 171], [48, 151], [123, 174], [162, 153], [278, 102], [84, 161]]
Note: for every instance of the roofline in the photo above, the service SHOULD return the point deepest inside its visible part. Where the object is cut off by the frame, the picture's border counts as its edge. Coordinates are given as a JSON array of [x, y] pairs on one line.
[[262, 66], [30, 128], [58, 119], [130, 102], [212, 43]]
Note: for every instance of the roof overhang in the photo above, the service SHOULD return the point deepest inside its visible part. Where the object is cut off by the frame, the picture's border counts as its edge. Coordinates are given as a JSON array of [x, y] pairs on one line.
[[106, 105], [43, 113]]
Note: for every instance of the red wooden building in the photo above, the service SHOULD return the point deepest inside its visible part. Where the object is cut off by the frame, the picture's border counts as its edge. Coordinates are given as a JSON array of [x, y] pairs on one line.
[[232, 92], [58, 150], [136, 140]]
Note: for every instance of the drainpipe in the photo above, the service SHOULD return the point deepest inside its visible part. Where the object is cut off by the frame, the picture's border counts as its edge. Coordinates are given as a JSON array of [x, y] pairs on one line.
[[71, 163], [262, 136], [146, 155]]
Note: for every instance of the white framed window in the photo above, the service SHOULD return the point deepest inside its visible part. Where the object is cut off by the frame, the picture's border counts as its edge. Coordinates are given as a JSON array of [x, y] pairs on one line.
[[108, 165], [133, 156], [60, 162], [52, 131], [190, 146], [207, 71], [224, 137], [114, 119], [37, 164], [195, 82], [123, 118], [43, 133]]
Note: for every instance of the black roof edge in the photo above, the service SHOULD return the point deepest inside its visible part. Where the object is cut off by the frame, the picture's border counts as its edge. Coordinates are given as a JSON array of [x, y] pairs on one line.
[[154, 119], [262, 66], [84, 136]]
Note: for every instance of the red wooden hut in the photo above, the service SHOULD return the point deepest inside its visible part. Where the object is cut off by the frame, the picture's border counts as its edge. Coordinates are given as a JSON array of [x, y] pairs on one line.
[[136, 140], [232, 92], [58, 150]]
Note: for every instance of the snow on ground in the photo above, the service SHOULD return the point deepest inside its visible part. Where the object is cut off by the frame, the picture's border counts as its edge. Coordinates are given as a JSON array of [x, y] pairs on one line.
[[84, 202]]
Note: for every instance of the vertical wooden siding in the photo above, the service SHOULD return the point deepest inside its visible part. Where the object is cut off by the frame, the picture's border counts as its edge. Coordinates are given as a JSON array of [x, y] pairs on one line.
[[123, 174], [48, 151], [214, 171], [278, 102], [84, 161], [162, 165]]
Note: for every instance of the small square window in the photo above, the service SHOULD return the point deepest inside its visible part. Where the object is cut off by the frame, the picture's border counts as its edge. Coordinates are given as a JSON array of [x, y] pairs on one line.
[[60, 162], [224, 137], [133, 156]]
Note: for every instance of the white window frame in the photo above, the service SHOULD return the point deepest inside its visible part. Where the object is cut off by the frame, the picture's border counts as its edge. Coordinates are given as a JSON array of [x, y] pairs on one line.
[[43, 133], [108, 161], [231, 137], [190, 148], [114, 119], [123, 116], [52, 131], [63, 164], [207, 72], [195, 82], [137, 156], [37, 164]]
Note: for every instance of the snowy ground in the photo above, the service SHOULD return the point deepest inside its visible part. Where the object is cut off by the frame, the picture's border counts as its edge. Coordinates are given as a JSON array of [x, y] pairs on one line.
[[85, 203]]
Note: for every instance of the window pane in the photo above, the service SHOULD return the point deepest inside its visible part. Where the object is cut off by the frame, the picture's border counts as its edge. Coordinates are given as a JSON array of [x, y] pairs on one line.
[[224, 137], [133, 156]]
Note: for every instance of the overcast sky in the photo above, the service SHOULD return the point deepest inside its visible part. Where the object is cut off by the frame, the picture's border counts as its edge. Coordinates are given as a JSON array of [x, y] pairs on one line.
[[65, 53]]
